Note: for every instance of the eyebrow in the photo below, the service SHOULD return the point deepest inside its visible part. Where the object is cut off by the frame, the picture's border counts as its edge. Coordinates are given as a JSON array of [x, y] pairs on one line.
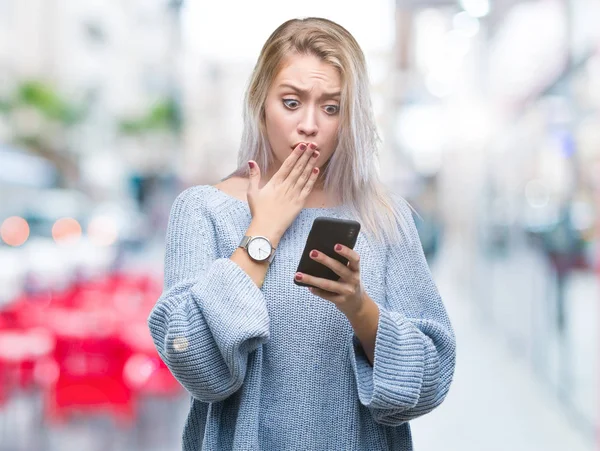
[[305, 91]]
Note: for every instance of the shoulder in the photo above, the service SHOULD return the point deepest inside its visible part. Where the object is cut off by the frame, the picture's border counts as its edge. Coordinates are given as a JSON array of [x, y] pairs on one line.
[[192, 198], [400, 204], [200, 201], [404, 215], [204, 195], [234, 186], [196, 202]]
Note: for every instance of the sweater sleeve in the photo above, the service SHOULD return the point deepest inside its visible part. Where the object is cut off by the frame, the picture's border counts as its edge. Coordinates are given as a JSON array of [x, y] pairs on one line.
[[211, 314], [415, 346]]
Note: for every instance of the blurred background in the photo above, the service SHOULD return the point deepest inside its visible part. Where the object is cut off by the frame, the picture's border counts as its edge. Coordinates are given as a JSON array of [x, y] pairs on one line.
[[489, 112]]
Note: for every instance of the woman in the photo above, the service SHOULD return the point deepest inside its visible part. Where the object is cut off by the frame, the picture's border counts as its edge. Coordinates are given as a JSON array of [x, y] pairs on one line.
[[271, 365]]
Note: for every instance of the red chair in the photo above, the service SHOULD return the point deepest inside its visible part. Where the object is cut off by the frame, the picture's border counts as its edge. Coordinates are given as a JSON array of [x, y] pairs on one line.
[[102, 355], [90, 361]]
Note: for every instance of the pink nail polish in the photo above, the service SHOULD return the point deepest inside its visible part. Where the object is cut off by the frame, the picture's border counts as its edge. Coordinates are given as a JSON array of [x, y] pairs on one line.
[[338, 247], [298, 276], [314, 254]]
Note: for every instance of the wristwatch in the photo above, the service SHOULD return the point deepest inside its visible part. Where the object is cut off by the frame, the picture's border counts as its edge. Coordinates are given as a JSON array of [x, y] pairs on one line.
[[259, 248]]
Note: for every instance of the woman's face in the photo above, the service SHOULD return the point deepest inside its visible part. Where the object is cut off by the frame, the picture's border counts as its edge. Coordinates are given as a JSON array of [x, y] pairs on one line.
[[303, 105]]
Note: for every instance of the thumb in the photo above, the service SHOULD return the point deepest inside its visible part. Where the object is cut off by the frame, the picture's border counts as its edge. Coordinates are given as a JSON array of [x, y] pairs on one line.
[[254, 177]]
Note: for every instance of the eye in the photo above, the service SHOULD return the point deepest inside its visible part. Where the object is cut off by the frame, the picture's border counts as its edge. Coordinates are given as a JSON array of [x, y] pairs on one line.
[[332, 109], [291, 107]]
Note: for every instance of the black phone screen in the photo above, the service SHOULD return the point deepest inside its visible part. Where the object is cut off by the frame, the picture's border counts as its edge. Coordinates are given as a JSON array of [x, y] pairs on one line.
[[324, 234]]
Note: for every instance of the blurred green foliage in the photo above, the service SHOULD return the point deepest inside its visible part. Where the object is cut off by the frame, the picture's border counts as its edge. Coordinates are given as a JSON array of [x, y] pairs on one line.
[[42, 97], [45, 99], [163, 116]]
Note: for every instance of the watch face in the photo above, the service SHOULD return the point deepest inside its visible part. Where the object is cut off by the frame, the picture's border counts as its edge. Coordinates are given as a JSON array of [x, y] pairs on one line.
[[259, 248]]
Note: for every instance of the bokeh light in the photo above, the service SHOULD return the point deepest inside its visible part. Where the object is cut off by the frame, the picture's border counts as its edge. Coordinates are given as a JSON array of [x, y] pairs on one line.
[[14, 231], [66, 230], [476, 8], [102, 231]]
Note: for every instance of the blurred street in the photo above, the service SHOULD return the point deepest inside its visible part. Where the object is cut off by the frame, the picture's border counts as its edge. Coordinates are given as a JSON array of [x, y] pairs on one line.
[[496, 402]]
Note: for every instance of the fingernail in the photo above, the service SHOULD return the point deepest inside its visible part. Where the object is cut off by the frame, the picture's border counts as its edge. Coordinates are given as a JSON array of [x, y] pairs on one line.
[[315, 155], [314, 254], [298, 276], [315, 170], [338, 247], [251, 164], [313, 146], [302, 146]]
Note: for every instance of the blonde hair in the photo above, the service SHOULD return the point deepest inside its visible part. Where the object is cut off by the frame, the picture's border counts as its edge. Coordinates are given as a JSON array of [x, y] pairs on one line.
[[351, 173]]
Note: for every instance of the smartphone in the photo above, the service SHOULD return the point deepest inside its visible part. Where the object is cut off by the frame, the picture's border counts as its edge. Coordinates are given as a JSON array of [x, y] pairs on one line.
[[324, 234]]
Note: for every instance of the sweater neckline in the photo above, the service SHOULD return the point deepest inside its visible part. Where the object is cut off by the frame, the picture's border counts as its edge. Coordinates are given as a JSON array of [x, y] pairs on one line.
[[243, 202]]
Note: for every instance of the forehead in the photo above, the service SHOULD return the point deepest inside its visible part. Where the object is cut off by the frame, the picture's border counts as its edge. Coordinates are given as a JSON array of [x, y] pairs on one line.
[[308, 69]]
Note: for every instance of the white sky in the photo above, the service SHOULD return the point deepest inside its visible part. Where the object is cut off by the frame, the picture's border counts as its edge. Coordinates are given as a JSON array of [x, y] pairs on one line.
[[238, 29]]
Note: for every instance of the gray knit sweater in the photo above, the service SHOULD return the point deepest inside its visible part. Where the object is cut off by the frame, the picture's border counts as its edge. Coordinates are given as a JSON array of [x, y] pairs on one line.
[[277, 368]]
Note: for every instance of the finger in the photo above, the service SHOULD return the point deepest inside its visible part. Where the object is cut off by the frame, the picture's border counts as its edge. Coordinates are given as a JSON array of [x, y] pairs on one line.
[[308, 186], [307, 171], [339, 268], [290, 162], [300, 165], [328, 295], [334, 288], [254, 177], [352, 256]]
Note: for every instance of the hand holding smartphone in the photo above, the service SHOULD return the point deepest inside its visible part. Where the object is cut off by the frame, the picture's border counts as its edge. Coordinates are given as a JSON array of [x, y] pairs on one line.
[[324, 234]]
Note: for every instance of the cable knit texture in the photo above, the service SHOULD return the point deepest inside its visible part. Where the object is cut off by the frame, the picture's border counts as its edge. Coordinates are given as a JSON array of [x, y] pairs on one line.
[[277, 368]]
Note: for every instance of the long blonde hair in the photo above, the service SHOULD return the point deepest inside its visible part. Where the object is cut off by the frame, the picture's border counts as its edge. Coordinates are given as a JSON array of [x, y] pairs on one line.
[[351, 173]]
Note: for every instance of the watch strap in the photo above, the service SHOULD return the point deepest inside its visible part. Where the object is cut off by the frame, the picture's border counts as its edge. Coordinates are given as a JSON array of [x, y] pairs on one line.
[[245, 241]]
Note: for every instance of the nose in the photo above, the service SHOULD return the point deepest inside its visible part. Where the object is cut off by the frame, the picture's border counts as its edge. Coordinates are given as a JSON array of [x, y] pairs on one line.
[[308, 123]]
